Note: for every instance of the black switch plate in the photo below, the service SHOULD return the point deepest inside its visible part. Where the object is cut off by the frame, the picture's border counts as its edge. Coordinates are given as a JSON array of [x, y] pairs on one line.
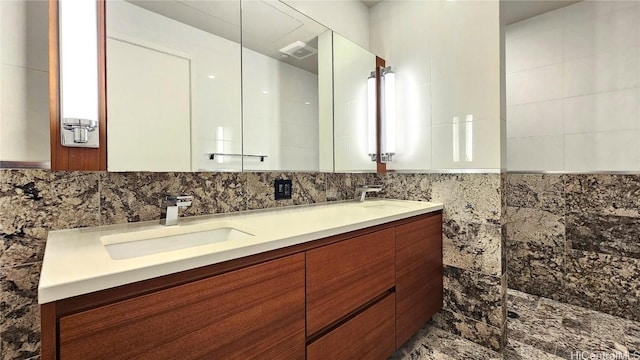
[[283, 189]]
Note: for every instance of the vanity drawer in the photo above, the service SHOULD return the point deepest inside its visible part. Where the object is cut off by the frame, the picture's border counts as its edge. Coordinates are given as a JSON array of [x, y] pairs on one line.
[[344, 276], [369, 335], [255, 311]]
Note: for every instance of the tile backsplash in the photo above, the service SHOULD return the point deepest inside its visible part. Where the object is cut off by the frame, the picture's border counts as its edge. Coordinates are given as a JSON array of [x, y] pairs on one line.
[[37, 201]]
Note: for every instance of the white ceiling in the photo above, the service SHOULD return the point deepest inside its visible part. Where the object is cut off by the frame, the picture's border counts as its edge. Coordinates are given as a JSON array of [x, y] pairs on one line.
[[271, 25], [267, 25], [514, 10], [518, 10], [370, 3]]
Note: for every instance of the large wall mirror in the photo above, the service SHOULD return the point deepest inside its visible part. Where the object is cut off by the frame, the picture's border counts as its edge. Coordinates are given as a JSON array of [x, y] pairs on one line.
[[228, 85], [286, 67], [173, 85], [352, 66]]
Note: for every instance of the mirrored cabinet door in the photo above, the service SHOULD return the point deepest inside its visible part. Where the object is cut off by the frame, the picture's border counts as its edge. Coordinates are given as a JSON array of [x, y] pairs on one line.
[[173, 85], [286, 83], [229, 85], [354, 142]]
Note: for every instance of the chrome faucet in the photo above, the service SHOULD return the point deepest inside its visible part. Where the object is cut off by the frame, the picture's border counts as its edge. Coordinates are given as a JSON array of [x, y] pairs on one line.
[[170, 206], [363, 190]]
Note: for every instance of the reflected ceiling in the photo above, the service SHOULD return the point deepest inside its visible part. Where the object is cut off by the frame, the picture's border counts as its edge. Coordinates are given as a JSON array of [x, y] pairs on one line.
[[268, 25]]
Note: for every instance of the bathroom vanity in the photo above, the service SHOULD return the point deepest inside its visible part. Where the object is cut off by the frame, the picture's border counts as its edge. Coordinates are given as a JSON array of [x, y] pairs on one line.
[[335, 281]]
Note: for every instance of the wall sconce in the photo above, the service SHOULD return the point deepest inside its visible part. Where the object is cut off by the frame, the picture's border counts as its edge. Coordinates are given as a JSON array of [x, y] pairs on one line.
[[388, 118], [388, 125], [371, 117], [78, 36]]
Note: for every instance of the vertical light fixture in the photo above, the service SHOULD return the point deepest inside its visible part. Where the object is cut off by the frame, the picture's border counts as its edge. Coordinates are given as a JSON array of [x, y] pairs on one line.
[[372, 150], [78, 38], [388, 126], [371, 116]]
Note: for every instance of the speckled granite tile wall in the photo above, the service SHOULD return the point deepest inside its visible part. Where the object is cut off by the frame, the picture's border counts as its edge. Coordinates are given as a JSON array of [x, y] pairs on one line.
[[341, 186], [471, 220], [130, 197], [536, 234], [36, 201], [474, 277], [475, 288], [575, 238], [307, 188]]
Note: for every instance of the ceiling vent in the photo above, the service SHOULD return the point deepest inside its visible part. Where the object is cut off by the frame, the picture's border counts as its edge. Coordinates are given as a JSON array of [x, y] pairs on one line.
[[299, 50]]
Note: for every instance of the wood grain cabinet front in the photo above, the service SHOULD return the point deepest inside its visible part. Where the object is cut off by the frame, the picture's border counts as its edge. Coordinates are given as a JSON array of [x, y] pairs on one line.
[[366, 336], [418, 274], [344, 276], [255, 312]]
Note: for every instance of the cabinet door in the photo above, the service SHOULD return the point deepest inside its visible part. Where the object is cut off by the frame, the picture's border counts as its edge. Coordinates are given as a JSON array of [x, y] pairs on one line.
[[369, 335], [418, 275], [344, 276], [253, 312]]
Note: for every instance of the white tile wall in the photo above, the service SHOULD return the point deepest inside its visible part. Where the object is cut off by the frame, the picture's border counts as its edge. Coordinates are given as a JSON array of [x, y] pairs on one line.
[[536, 24], [481, 152], [615, 110], [476, 93], [535, 153], [24, 121], [573, 88], [447, 60], [538, 84], [588, 32], [24, 94], [601, 72], [601, 151], [24, 34], [534, 50], [535, 119], [414, 126]]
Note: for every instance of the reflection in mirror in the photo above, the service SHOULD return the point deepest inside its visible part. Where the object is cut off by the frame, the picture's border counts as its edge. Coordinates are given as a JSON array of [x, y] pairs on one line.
[[286, 63], [352, 68], [173, 85]]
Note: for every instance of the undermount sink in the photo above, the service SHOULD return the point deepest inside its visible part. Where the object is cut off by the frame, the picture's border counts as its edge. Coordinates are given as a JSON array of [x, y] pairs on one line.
[[154, 241], [380, 205]]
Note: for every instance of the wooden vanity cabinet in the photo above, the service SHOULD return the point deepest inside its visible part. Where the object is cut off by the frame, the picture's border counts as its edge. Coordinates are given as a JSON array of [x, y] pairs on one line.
[[358, 295], [344, 276], [365, 336], [418, 274], [253, 312]]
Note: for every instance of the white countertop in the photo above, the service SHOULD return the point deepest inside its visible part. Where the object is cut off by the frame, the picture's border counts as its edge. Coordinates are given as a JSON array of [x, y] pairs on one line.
[[76, 262]]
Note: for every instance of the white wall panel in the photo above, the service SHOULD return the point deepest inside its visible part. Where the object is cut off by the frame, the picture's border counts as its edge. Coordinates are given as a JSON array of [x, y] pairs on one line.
[[582, 113], [446, 55], [24, 91]]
